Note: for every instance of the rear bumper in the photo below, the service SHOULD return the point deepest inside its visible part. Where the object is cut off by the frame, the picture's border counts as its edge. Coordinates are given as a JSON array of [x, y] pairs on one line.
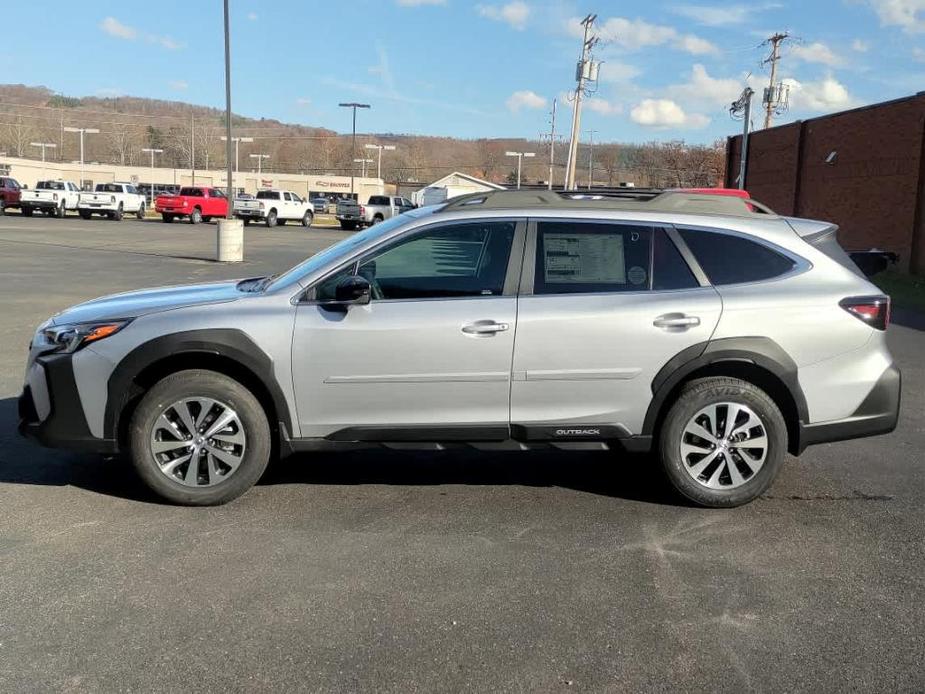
[[64, 424], [98, 206], [878, 414], [40, 204]]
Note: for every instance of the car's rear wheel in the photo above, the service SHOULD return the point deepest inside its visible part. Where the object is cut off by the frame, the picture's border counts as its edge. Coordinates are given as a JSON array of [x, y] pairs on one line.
[[84, 214], [140, 214], [26, 211], [117, 215], [722, 442], [195, 216], [307, 219], [199, 438], [348, 226], [271, 218]]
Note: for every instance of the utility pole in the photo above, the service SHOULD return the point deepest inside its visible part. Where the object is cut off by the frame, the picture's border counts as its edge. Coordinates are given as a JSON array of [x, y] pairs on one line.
[[354, 106], [743, 105], [520, 158], [259, 158], [237, 141], [82, 131], [591, 158], [192, 147], [390, 148], [586, 72], [773, 95], [552, 143]]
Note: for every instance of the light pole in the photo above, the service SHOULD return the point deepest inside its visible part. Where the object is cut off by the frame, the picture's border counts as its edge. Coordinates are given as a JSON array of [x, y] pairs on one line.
[[43, 145], [152, 151], [363, 162], [237, 141], [389, 148], [259, 158], [81, 131], [591, 157], [354, 105], [520, 158]]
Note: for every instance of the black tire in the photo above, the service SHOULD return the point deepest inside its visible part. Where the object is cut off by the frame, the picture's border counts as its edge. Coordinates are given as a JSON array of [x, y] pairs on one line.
[[166, 218], [118, 214], [26, 211], [307, 218], [140, 213], [85, 214], [702, 393], [378, 218], [209, 384], [247, 222], [2, 210], [271, 219], [195, 216]]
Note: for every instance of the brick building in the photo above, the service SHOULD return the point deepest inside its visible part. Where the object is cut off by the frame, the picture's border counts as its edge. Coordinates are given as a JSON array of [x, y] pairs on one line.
[[863, 169]]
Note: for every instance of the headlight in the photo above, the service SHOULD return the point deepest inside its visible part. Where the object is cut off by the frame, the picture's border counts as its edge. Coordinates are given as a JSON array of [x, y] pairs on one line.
[[261, 205], [70, 338]]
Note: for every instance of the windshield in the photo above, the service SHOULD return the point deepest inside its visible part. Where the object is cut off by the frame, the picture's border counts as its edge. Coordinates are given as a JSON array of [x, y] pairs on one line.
[[342, 248]]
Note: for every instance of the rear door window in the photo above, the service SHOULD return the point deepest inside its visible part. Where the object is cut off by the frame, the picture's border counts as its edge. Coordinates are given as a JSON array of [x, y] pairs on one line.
[[730, 259], [669, 269]]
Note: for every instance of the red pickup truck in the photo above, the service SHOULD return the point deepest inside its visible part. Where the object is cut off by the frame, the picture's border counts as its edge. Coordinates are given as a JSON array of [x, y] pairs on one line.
[[196, 203], [9, 193]]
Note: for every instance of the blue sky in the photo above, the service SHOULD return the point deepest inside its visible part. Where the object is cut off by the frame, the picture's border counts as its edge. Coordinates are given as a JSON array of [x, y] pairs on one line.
[[486, 69]]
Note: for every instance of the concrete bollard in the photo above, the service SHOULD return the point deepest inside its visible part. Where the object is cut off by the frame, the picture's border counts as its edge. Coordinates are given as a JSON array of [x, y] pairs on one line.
[[229, 237]]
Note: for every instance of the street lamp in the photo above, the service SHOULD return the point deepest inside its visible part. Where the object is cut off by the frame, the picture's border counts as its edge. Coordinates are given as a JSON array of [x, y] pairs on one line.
[[520, 158], [259, 158], [389, 148], [152, 151], [88, 131], [364, 162], [43, 145], [354, 105], [237, 141]]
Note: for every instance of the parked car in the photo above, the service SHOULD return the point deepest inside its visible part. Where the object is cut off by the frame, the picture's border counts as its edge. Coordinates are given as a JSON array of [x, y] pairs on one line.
[[696, 326], [196, 203], [274, 207], [352, 215], [51, 197], [319, 205], [114, 200], [10, 191]]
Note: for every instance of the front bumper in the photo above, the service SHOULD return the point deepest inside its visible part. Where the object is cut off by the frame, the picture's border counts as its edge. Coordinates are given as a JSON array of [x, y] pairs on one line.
[[878, 414], [58, 420]]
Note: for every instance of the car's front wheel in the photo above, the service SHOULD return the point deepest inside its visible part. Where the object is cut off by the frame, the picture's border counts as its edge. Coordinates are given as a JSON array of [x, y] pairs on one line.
[[140, 213], [199, 438], [307, 219], [722, 442]]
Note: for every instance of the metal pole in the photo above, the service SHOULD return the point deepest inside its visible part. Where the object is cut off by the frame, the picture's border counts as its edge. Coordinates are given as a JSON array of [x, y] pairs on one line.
[[576, 110], [230, 193], [552, 144], [520, 158], [192, 146], [743, 156], [591, 160], [379, 163], [81, 159], [353, 168]]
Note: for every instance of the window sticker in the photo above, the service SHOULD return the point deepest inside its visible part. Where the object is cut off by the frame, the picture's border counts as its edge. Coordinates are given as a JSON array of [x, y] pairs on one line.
[[585, 258], [637, 275]]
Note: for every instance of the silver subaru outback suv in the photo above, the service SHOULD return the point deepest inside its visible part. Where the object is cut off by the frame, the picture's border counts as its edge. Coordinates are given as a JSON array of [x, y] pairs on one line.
[[706, 329]]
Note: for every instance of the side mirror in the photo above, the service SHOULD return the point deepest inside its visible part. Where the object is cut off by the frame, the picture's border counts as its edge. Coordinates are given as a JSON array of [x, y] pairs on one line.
[[352, 291]]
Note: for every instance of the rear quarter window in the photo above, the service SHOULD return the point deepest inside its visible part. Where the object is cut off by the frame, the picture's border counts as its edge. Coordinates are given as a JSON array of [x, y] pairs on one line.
[[730, 259]]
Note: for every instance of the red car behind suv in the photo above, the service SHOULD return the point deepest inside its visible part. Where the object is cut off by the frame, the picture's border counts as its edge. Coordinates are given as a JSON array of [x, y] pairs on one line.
[[197, 203]]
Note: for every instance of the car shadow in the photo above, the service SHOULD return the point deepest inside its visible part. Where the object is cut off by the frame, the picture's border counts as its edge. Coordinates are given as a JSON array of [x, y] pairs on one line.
[[614, 474]]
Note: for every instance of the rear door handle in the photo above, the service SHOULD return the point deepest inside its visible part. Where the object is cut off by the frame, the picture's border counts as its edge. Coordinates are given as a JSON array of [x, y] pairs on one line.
[[676, 321], [485, 328]]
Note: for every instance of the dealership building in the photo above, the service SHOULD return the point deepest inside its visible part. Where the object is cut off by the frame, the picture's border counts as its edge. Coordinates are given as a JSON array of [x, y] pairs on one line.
[[29, 172]]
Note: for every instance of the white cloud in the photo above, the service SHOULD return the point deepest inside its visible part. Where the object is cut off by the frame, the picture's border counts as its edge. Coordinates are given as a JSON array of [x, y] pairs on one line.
[[665, 113], [706, 91], [637, 34], [860, 46], [722, 15], [825, 95], [114, 27], [303, 101], [906, 14], [418, 3], [617, 72], [178, 85], [918, 54], [165, 42], [816, 53], [602, 106], [514, 13], [524, 99], [252, 16]]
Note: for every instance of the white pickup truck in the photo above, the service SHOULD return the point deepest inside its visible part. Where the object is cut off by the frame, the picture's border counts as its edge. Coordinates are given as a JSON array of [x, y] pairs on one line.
[[112, 200], [352, 215], [274, 207], [54, 198]]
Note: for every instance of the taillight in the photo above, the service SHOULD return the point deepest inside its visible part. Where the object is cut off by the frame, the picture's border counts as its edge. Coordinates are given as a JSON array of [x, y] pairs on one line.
[[362, 210], [873, 310]]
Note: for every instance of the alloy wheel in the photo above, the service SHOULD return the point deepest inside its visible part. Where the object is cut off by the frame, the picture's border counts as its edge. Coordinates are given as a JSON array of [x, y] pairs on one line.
[[198, 441], [724, 445]]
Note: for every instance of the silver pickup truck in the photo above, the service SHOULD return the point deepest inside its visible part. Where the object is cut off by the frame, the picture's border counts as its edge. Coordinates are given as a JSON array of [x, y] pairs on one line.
[[353, 215]]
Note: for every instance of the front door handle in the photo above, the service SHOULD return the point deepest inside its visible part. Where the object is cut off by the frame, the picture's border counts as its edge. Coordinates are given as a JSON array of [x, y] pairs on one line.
[[676, 321], [485, 328]]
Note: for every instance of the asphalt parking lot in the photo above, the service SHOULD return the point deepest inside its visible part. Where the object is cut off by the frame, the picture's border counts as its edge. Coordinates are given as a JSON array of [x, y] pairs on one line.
[[407, 572]]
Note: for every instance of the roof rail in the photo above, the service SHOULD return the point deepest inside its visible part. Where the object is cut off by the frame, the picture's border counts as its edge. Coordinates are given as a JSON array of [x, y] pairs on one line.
[[630, 199]]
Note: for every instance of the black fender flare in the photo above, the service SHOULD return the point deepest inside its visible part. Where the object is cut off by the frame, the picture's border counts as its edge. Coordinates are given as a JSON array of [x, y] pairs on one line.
[[229, 343], [758, 351]]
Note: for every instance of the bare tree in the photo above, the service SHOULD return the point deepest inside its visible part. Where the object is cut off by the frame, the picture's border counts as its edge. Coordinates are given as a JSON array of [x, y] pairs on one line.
[[19, 135]]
